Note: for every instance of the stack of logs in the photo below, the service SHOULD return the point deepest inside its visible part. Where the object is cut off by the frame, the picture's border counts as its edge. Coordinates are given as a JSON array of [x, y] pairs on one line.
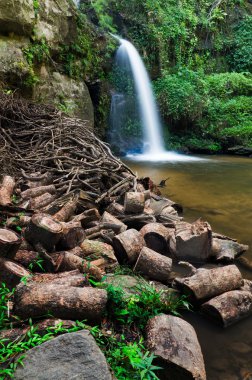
[[79, 236]]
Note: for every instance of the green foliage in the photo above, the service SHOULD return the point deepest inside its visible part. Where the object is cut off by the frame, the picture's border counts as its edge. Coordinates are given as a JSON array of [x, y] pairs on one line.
[[5, 295], [36, 6], [241, 47], [37, 52]]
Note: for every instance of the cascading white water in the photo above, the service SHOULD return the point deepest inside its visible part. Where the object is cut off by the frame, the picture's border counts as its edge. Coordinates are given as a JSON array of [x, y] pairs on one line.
[[153, 147], [153, 141]]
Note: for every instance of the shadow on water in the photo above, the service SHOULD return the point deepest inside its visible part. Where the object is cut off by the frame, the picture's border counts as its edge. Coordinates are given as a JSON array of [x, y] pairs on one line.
[[219, 190]]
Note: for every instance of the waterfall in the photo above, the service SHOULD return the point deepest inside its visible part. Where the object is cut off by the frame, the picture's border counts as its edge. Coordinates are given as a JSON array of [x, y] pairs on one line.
[[130, 62], [153, 141]]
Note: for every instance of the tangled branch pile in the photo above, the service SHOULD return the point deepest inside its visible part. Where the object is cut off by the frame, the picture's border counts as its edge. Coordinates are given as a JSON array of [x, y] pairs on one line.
[[38, 138]]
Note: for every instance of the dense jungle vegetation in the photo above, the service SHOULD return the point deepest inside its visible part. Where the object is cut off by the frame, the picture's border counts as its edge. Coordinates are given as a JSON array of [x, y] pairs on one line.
[[199, 56]]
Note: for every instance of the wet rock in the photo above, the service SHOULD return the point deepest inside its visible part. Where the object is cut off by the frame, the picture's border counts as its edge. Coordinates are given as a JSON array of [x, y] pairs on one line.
[[175, 343], [17, 16], [69, 356], [226, 250]]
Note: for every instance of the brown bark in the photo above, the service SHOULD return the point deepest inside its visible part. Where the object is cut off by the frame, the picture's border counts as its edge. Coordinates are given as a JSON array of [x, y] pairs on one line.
[[26, 258], [87, 217], [106, 264], [207, 283], [96, 249], [34, 299], [37, 191], [115, 209], [156, 237], [175, 344], [229, 308], [226, 250], [41, 201], [11, 273], [66, 261], [66, 212], [72, 235], [110, 219], [71, 278], [191, 242], [21, 221], [45, 230], [6, 190], [9, 242], [152, 264], [128, 245], [134, 203]]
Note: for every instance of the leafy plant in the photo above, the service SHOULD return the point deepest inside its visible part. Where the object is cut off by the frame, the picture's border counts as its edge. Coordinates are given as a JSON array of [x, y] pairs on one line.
[[5, 295]]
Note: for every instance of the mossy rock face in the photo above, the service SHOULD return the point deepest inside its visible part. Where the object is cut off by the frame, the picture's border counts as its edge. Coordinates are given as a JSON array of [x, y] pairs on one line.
[[17, 16], [13, 65], [56, 22], [69, 95]]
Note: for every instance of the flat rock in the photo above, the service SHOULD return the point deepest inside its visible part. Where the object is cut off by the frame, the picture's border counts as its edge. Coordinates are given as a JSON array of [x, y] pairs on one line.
[[69, 356], [176, 346]]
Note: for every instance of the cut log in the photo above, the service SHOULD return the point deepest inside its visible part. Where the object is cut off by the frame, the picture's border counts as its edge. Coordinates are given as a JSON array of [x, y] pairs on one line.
[[96, 249], [37, 191], [226, 250], [66, 212], [229, 308], [158, 204], [9, 242], [207, 283], [152, 264], [106, 264], [11, 273], [22, 221], [34, 299], [26, 258], [72, 235], [115, 209], [6, 190], [109, 219], [245, 262], [66, 261], [41, 201], [45, 230], [128, 245], [191, 242], [134, 203], [157, 237], [87, 217], [71, 278], [175, 344]]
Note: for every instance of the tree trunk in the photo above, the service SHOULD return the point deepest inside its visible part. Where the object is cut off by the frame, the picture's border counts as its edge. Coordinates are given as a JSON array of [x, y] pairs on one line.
[[6, 190], [230, 307], [21, 221], [37, 191], [33, 300], [9, 242], [128, 245], [72, 235], [134, 203], [66, 261], [108, 218], [45, 230], [66, 212], [156, 237], [152, 264], [96, 249], [207, 283], [115, 209], [11, 273]]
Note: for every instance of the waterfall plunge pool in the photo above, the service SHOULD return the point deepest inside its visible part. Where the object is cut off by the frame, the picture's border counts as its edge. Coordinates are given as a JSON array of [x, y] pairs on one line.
[[218, 189]]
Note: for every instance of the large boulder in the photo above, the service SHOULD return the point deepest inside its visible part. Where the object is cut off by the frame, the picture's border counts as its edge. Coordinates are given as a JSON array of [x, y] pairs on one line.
[[69, 356], [176, 346], [17, 16], [56, 22], [70, 95]]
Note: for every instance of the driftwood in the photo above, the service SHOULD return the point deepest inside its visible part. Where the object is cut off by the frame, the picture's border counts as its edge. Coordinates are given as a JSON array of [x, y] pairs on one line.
[[226, 250], [128, 245], [134, 203], [175, 344], [152, 264], [45, 230], [11, 273], [156, 237], [229, 308], [67, 261], [35, 299], [207, 283], [6, 190], [9, 242], [191, 242]]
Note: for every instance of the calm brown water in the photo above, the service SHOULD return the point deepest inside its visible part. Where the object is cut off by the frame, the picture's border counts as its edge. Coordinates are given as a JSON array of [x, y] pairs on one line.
[[220, 191]]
